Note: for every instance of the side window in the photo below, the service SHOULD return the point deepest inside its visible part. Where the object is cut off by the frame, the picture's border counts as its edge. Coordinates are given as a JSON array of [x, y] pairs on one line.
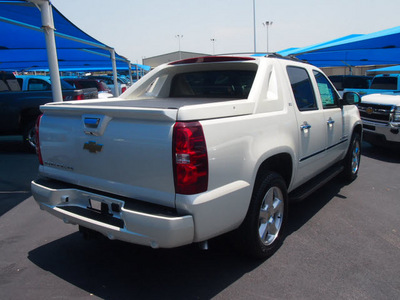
[[329, 97], [302, 88], [38, 85]]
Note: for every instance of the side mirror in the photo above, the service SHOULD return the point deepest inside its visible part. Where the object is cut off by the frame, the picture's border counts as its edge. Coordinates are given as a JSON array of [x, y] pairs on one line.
[[351, 98]]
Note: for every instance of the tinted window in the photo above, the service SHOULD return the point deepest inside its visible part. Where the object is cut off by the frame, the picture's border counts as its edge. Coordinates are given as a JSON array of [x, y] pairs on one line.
[[302, 88], [328, 94], [384, 83], [342, 82], [38, 85], [213, 84]]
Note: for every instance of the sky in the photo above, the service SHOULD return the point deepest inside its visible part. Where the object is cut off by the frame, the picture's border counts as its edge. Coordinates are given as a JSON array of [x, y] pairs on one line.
[[141, 29]]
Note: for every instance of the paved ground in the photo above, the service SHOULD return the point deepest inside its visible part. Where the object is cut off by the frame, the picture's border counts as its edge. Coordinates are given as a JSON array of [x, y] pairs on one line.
[[343, 243]]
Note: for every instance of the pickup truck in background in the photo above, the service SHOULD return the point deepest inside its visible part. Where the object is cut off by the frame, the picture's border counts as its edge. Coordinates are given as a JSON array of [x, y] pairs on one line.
[[380, 114], [20, 99], [382, 83], [350, 82], [43, 83], [198, 148]]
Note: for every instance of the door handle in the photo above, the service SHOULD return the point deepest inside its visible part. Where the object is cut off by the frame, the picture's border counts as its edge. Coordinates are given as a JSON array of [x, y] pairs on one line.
[[305, 126], [330, 121]]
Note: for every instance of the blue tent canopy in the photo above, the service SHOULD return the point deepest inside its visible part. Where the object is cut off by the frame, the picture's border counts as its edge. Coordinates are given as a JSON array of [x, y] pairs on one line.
[[23, 47], [378, 48]]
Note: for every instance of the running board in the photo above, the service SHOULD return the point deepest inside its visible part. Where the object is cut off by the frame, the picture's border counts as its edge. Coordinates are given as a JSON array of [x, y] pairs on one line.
[[314, 184]]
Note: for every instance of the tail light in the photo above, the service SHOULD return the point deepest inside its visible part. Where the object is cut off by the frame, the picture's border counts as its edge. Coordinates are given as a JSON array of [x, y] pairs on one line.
[[123, 89], [38, 152], [79, 97], [190, 158]]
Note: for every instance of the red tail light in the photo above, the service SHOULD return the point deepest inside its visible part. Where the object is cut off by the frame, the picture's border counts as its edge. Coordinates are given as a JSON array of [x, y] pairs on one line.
[[123, 89], [79, 97], [190, 158], [38, 152]]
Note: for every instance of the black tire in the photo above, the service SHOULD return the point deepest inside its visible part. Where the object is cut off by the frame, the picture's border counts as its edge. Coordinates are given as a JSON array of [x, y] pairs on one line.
[[262, 232], [351, 162], [29, 137]]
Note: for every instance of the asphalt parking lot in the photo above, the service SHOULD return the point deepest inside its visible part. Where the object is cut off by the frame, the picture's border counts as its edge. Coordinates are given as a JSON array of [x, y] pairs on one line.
[[343, 243]]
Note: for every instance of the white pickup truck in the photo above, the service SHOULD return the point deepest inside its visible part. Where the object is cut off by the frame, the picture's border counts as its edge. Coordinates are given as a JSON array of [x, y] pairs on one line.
[[380, 114], [198, 148]]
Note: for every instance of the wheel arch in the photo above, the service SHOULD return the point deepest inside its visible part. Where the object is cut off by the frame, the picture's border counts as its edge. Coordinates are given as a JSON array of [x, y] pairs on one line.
[[281, 163]]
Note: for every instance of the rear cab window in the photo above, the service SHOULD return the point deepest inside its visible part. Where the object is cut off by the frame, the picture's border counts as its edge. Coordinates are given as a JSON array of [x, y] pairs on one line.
[[213, 84]]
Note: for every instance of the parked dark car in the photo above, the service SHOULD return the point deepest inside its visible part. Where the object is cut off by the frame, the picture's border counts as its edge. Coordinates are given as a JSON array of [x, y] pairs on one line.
[[20, 99], [80, 83]]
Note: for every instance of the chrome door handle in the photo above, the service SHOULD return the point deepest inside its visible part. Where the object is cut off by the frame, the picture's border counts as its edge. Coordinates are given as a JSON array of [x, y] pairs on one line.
[[305, 126], [330, 121]]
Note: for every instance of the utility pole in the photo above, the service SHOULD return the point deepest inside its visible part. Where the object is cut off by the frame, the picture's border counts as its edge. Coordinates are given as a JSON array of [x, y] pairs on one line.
[[254, 24]]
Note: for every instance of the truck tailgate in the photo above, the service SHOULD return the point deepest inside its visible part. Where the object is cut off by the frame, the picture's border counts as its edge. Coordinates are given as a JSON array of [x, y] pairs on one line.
[[122, 150]]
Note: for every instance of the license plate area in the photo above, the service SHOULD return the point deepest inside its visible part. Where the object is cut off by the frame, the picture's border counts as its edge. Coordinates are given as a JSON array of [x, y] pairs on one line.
[[98, 206], [103, 207]]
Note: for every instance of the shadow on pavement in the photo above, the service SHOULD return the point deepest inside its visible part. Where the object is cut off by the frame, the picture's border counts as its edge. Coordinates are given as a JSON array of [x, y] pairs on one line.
[[391, 155], [117, 270], [18, 167]]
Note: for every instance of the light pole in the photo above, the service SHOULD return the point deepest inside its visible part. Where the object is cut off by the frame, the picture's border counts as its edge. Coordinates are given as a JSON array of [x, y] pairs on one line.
[[179, 36], [254, 24], [213, 44], [267, 24]]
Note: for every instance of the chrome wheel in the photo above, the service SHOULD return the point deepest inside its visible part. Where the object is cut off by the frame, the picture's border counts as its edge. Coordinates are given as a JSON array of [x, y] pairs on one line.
[[271, 216], [31, 137], [355, 157]]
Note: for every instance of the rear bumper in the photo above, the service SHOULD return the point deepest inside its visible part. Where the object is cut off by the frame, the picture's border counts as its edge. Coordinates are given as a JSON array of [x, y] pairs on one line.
[[153, 226]]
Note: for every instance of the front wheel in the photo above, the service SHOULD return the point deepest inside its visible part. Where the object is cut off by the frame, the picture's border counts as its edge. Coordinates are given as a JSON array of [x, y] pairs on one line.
[[262, 231], [351, 162]]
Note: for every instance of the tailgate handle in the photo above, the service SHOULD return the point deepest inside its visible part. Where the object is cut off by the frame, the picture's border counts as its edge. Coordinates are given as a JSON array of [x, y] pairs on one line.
[[92, 122]]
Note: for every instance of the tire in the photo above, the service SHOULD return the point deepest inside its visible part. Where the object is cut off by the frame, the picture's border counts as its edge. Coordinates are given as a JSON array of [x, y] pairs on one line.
[[29, 137], [351, 162], [262, 231]]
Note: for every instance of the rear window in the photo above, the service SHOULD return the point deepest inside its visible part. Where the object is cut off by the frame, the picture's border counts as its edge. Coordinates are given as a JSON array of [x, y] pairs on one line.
[[213, 84], [384, 83]]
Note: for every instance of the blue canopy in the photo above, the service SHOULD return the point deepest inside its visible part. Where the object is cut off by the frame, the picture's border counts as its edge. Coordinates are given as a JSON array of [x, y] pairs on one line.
[[379, 48], [23, 47]]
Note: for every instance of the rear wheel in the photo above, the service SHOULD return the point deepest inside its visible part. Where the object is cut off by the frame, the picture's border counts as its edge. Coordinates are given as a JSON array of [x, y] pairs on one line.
[[29, 136], [262, 231]]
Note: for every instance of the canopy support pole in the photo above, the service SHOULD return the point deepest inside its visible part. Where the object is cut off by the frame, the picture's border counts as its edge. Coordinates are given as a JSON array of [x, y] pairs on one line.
[[48, 29], [114, 67], [130, 72]]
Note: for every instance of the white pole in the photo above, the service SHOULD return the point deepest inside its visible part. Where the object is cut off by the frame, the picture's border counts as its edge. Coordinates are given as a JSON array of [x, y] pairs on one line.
[[114, 66], [254, 24], [48, 29], [130, 72]]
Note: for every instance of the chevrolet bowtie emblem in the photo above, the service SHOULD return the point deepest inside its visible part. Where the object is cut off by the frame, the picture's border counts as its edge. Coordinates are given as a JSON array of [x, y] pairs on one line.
[[93, 147], [369, 110]]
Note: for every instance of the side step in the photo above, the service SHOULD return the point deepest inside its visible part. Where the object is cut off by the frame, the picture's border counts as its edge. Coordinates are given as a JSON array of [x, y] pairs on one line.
[[314, 184]]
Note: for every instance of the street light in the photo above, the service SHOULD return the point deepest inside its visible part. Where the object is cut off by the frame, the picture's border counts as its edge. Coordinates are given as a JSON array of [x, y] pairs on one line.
[[213, 44], [267, 24], [179, 36]]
